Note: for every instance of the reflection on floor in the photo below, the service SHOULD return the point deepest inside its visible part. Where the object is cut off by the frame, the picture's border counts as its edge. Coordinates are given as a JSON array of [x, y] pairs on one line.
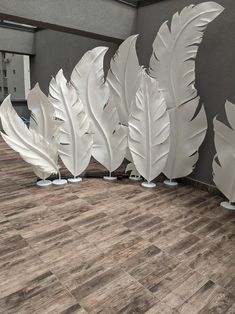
[[101, 247]]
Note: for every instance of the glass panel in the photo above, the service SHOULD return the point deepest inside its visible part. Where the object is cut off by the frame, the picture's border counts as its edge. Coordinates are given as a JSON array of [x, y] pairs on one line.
[[14, 76]]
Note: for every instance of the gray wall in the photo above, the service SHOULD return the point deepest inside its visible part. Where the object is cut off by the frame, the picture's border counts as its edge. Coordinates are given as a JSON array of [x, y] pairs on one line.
[[16, 40], [95, 18], [215, 65], [56, 50]]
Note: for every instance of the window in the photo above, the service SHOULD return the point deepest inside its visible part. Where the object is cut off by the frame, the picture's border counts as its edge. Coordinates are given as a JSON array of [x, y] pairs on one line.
[[15, 76]]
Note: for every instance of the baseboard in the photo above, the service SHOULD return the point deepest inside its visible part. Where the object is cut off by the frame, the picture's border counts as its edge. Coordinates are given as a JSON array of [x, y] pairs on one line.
[[212, 189]]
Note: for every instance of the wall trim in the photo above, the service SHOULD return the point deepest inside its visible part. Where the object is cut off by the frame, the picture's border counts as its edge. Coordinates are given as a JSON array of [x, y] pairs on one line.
[[211, 189], [139, 3]]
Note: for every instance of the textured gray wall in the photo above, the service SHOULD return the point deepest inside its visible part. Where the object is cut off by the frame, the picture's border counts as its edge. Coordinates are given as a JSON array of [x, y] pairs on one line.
[[88, 17], [215, 65], [17, 41], [56, 50]]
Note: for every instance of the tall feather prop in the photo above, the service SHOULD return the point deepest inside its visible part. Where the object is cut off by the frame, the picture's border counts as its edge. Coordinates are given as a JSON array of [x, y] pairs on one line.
[[32, 147], [76, 140], [149, 129], [110, 138], [123, 79], [83, 74], [224, 160], [173, 65], [43, 122]]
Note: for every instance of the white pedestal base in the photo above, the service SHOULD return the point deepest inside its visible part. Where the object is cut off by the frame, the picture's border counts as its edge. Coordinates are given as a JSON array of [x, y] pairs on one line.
[[43, 183], [59, 182], [148, 185], [135, 178], [227, 205], [109, 178], [170, 183], [74, 180]]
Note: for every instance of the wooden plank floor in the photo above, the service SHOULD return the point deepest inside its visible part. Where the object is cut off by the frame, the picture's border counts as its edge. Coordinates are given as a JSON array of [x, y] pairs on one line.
[[101, 247]]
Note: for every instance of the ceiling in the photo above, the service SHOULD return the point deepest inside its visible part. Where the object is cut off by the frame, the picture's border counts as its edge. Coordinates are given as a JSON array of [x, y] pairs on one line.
[[138, 3]]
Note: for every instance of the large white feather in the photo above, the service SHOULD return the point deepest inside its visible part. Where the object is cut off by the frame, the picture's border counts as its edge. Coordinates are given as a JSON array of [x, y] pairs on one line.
[[110, 138], [83, 74], [224, 160], [43, 122], [149, 129], [123, 79], [42, 118], [75, 140], [32, 147], [173, 65]]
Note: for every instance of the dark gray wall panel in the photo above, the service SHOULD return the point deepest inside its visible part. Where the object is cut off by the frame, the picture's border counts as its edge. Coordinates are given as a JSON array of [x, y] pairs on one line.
[[17, 41], [91, 18], [55, 50], [215, 65]]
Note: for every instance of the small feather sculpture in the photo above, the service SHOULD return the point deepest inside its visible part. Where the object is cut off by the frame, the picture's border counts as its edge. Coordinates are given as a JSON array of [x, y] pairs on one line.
[[123, 79], [173, 65], [109, 137], [149, 130], [43, 122], [224, 160], [75, 140], [32, 147]]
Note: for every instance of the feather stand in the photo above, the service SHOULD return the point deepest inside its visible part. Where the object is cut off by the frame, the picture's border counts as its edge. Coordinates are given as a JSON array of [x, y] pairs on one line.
[[110, 138], [224, 160], [173, 65], [149, 130], [123, 79], [75, 140], [43, 122]]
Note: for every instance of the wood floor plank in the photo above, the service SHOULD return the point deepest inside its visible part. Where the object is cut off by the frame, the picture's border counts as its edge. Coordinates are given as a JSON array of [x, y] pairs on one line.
[[219, 302], [107, 248]]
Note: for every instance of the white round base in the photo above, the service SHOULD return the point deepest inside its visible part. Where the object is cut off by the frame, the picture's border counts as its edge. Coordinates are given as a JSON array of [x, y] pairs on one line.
[[170, 183], [59, 182], [109, 178], [135, 178], [43, 183], [74, 180], [148, 185], [227, 205]]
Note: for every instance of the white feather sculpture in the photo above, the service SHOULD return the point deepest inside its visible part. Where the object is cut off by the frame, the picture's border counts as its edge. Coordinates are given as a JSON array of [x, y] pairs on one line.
[[224, 160], [75, 140], [110, 138], [32, 147], [43, 122], [149, 130], [84, 77], [123, 79], [173, 65]]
